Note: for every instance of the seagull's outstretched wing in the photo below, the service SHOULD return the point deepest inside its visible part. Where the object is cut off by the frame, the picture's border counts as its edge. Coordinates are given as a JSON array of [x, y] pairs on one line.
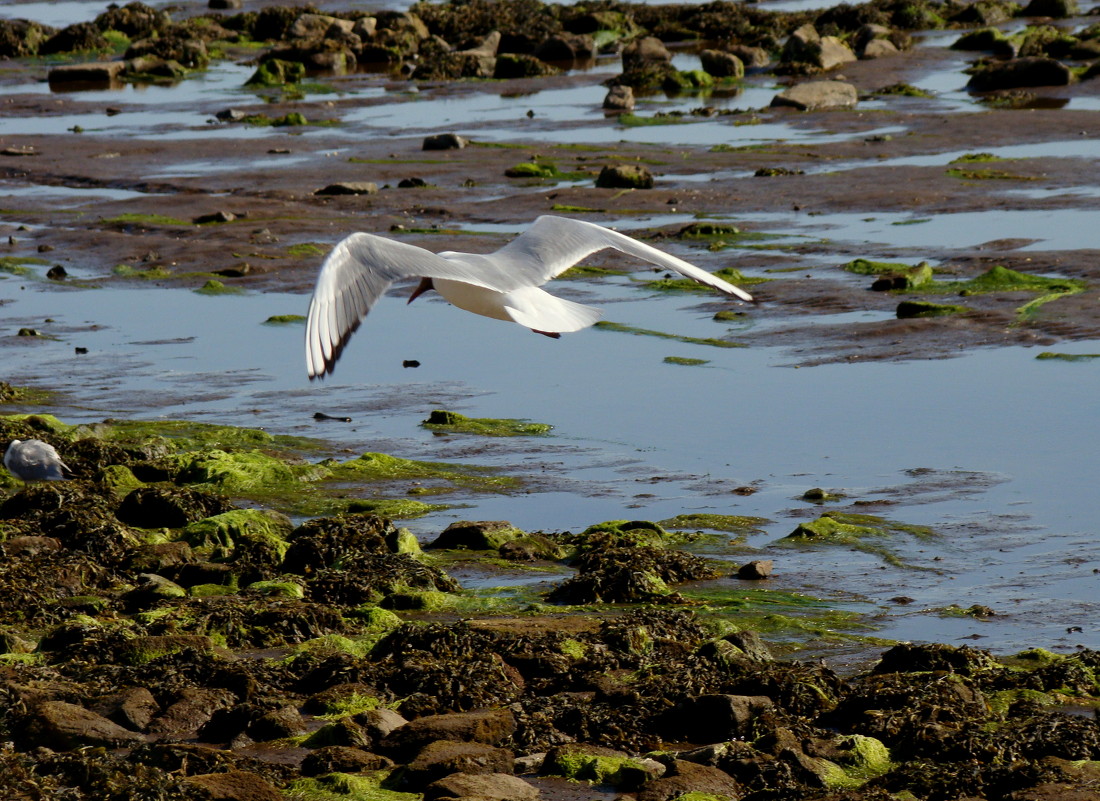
[[554, 244], [353, 276]]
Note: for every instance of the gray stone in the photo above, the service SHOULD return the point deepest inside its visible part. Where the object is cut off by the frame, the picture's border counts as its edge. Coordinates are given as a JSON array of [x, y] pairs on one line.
[[878, 48], [619, 98], [805, 46], [488, 47], [721, 64], [349, 188], [750, 56], [483, 786], [647, 50], [817, 95]]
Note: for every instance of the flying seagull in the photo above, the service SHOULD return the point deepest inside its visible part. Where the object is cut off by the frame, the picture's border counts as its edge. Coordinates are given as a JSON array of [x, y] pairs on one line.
[[504, 285], [34, 460]]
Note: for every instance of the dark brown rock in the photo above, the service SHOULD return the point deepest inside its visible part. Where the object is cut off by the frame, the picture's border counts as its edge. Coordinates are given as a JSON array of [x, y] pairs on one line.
[[1020, 72], [690, 777], [343, 759], [755, 570], [483, 786], [444, 757], [63, 726], [489, 726], [235, 785], [625, 176]]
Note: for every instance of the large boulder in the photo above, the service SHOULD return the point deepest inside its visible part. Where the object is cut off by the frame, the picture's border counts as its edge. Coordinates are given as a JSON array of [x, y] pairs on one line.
[[806, 46], [817, 95], [1019, 73]]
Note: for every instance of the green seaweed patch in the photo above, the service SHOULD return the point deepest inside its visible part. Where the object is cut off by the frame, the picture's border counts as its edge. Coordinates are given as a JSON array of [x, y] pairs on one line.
[[144, 219], [395, 508], [579, 765], [544, 169], [685, 361], [305, 249], [215, 287], [632, 120], [1001, 701], [869, 267], [17, 265], [346, 786], [155, 272], [734, 524], [1002, 279], [730, 274], [607, 325], [262, 533], [242, 471], [11, 393], [385, 468], [285, 319], [587, 271], [979, 611], [1048, 355], [918, 308], [988, 175], [915, 221], [902, 90], [857, 531], [187, 435], [781, 615], [452, 422], [975, 158]]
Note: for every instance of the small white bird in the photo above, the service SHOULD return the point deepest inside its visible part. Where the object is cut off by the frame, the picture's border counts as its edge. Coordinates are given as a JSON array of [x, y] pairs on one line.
[[503, 285], [34, 460]]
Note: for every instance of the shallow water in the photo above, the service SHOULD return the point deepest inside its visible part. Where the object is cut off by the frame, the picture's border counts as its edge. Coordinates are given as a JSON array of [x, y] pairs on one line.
[[973, 446]]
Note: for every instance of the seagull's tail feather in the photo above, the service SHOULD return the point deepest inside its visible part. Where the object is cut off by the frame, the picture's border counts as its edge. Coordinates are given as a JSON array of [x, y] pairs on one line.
[[540, 311]]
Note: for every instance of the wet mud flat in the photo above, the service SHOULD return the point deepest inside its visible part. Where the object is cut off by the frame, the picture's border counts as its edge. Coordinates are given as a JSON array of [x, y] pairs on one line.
[[184, 620]]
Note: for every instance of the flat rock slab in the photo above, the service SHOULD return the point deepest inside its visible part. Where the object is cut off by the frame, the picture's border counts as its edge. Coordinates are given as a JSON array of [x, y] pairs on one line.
[[817, 95], [485, 786]]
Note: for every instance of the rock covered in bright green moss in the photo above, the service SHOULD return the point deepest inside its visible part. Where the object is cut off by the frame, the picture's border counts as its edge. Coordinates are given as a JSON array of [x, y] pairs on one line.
[[240, 471], [261, 532], [442, 420], [920, 308], [480, 535]]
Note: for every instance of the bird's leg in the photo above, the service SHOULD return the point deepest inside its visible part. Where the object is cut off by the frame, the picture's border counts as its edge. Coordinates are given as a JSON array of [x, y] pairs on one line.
[[424, 285], [551, 334]]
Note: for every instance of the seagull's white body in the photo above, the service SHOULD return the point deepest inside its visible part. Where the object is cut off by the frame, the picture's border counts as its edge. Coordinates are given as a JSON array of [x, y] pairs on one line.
[[34, 460], [504, 285]]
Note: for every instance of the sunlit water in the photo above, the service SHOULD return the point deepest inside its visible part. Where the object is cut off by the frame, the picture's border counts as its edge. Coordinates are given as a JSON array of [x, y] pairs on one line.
[[636, 437]]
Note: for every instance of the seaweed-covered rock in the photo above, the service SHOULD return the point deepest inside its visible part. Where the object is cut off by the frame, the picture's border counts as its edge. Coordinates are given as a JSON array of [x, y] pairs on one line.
[[625, 176], [321, 542], [722, 64], [485, 535], [370, 578], [83, 36], [20, 38], [1020, 72], [630, 575], [255, 536], [488, 727], [135, 19], [169, 507]]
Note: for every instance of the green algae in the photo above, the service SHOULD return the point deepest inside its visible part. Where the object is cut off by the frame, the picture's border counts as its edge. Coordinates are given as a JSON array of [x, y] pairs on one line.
[[306, 249], [918, 308], [544, 169], [17, 265], [455, 423], [241, 471], [383, 467], [741, 525], [896, 276], [857, 531], [575, 649], [1002, 279], [988, 175], [577, 765], [152, 273], [186, 435], [285, 319], [144, 219], [729, 274], [586, 271], [215, 287], [607, 325], [395, 508], [345, 787], [685, 361], [278, 589], [1048, 355], [262, 532], [975, 158]]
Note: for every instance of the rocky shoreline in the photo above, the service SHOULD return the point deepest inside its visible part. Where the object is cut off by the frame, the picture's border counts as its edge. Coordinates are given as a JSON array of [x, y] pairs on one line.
[[161, 641]]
